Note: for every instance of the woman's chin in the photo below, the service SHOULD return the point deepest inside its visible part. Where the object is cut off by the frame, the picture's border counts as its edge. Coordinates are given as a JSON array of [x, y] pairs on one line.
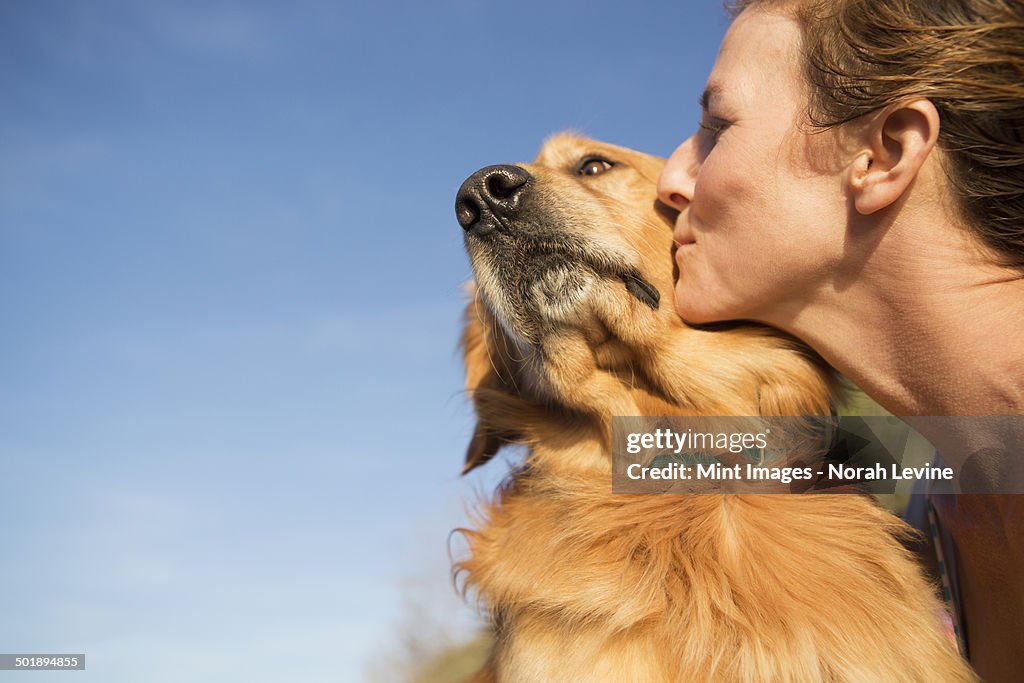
[[698, 305]]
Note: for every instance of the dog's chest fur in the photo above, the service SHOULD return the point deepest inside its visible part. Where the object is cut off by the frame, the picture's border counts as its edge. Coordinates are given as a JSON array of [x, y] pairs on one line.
[[590, 586]]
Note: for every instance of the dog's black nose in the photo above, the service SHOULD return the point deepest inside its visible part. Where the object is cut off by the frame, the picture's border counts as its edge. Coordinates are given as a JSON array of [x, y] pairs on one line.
[[489, 194]]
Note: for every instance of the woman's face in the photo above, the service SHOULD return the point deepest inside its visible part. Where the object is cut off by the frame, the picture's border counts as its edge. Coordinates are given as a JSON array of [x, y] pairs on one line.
[[760, 211]]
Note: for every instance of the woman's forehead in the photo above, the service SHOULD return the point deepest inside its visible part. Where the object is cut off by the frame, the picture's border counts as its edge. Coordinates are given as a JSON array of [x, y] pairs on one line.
[[759, 57]]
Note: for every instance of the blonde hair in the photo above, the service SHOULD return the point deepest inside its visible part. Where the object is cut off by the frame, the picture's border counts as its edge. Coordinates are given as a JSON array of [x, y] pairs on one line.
[[965, 56]]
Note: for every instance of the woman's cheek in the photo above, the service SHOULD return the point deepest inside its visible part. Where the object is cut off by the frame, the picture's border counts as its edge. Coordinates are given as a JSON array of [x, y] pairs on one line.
[[719, 192]]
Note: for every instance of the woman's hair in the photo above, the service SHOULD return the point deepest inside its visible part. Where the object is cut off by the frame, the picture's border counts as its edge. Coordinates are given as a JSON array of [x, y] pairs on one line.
[[965, 56]]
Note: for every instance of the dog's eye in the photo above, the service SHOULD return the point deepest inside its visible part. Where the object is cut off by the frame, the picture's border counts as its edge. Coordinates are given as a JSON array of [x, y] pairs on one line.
[[593, 166]]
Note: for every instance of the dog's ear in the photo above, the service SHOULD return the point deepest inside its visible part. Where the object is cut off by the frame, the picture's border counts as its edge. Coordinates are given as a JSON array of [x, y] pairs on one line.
[[498, 411], [485, 364], [482, 448]]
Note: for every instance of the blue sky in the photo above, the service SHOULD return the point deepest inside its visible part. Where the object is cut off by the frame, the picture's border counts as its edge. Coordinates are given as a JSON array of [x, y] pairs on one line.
[[231, 417]]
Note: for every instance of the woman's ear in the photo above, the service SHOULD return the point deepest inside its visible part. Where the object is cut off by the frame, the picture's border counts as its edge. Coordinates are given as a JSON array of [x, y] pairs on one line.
[[894, 146]]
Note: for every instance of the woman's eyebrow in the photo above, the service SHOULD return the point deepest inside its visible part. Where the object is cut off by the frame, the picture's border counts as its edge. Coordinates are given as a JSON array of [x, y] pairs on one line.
[[711, 90]]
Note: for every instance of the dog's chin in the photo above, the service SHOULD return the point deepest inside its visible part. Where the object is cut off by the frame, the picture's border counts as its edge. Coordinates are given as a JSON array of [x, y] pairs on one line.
[[541, 301], [535, 291], [544, 299], [558, 294]]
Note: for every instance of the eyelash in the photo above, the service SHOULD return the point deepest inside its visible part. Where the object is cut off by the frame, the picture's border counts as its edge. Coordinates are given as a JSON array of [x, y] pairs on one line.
[[716, 129]]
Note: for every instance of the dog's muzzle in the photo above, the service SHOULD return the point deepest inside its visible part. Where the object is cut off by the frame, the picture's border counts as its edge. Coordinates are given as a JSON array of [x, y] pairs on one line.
[[489, 197], [498, 199]]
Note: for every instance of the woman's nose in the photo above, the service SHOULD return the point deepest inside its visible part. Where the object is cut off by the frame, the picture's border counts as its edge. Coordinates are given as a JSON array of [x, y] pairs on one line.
[[678, 177]]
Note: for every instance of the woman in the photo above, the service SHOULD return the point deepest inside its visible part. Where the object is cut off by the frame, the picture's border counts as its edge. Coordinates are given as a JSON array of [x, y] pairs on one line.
[[858, 180]]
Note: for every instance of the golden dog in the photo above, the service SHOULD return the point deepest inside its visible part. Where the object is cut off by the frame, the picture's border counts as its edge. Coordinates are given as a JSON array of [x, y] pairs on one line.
[[572, 255]]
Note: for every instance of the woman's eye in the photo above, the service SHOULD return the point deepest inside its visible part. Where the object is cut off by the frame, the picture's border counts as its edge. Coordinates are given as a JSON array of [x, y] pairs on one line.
[[713, 127], [593, 166]]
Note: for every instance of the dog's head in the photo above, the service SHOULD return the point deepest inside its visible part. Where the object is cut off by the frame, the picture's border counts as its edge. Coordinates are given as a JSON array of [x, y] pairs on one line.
[[573, 258], [552, 241]]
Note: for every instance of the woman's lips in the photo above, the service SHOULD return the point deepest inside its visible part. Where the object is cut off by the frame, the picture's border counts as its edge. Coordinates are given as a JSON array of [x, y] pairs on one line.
[[683, 245]]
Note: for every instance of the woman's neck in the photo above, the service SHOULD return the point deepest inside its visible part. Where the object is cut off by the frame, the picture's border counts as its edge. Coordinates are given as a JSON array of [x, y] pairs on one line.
[[925, 328]]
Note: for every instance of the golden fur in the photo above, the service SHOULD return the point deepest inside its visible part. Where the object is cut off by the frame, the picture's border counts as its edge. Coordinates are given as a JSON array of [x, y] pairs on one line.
[[584, 585]]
